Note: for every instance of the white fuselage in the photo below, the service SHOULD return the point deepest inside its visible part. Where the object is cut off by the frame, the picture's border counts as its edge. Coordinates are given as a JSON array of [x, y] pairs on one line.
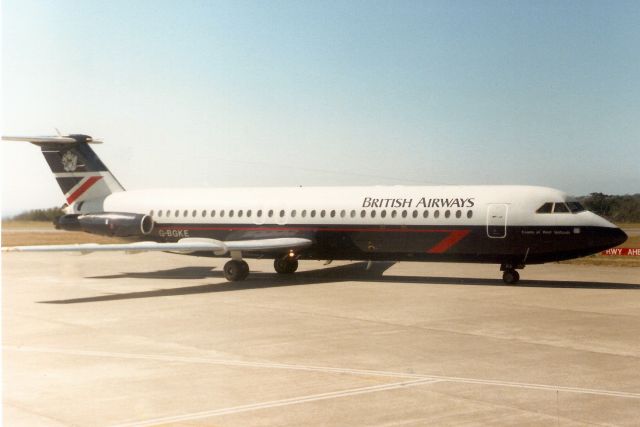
[[382, 205]]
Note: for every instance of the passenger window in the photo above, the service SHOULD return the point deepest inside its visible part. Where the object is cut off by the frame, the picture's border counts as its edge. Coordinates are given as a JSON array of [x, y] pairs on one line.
[[373, 214], [151, 213], [259, 213], [222, 213], [425, 214], [363, 213], [213, 213], [231, 213], [293, 213], [160, 213], [304, 213], [204, 213], [436, 214], [447, 213], [458, 214], [353, 214], [193, 214], [343, 213], [404, 214], [313, 213], [177, 213], [240, 213], [333, 213], [185, 213], [415, 214], [560, 208], [249, 213], [322, 213], [282, 213], [546, 208], [469, 214], [394, 214], [168, 213], [270, 213], [383, 213]]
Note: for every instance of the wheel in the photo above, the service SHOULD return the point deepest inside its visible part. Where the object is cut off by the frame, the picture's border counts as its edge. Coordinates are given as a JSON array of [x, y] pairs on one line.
[[285, 265], [245, 269], [236, 270], [510, 277]]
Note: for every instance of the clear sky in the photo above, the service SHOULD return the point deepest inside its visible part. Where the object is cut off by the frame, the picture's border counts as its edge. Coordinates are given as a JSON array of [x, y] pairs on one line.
[[196, 93]]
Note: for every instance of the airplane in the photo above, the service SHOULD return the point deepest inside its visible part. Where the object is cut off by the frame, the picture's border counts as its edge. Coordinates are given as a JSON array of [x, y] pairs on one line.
[[507, 225]]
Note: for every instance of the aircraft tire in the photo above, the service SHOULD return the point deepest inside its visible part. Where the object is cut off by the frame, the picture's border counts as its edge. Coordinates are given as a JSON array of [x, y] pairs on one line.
[[235, 271], [285, 265], [510, 277]]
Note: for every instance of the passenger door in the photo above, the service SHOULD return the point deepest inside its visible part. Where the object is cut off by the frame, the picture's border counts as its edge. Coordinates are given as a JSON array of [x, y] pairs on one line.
[[497, 220]]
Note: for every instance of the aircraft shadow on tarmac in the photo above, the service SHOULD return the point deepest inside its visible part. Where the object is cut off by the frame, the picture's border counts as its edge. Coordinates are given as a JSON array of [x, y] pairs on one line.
[[343, 273]]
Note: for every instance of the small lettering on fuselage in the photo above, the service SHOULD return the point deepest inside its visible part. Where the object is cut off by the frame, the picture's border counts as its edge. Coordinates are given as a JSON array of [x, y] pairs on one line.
[[422, 202], [172, 232], [546, 232]]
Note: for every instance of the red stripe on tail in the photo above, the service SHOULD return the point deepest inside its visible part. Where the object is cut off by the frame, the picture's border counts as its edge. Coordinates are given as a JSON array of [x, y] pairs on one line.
[[83, 188]]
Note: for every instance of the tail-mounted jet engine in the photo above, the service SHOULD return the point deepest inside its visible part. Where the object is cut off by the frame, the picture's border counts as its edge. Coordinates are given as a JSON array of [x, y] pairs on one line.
[[107, 223]]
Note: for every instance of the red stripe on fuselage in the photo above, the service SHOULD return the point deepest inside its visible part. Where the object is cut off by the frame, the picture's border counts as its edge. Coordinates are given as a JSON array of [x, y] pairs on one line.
[[284, 228], [453, 238], [83, 188]]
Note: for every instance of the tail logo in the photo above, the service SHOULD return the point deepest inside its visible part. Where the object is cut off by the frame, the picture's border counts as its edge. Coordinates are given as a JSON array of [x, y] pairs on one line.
[[70, 161]]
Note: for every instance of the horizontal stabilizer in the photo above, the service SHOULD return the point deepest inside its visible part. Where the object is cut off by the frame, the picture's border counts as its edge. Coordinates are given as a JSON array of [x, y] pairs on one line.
[[69, 139], [183, 245]]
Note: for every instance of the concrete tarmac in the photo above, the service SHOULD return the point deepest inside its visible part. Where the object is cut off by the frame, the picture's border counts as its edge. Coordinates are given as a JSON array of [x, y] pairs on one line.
[[161, 339]]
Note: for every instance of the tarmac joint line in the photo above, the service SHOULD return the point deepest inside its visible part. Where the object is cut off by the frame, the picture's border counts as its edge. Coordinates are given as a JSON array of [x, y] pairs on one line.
[[325, 369]]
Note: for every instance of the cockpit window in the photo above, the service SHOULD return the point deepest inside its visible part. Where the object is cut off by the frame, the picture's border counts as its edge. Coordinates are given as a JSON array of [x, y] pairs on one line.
[[575, 207], [546, 208], [560, 208]]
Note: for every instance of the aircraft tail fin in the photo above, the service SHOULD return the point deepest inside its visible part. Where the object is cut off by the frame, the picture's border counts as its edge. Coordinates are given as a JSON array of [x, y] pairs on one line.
[[78, 170]]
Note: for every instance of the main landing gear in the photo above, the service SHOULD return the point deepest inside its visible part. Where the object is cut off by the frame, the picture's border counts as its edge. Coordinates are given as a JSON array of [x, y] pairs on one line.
[[510, 275], [286, 265], [236, 270]]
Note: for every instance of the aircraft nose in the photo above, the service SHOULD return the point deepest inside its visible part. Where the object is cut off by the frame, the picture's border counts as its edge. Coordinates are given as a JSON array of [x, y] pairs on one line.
[[616, 237]]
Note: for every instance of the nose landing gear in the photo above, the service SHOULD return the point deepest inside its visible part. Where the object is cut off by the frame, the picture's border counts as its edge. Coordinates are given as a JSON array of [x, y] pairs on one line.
[[510, 275]]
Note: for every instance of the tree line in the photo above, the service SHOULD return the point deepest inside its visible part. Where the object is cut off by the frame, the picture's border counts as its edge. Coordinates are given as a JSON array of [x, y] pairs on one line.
[[39, 215], [624, 208], [616, 208]]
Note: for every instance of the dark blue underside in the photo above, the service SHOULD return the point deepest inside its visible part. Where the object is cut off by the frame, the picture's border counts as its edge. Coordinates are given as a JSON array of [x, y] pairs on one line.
[[521, 245]]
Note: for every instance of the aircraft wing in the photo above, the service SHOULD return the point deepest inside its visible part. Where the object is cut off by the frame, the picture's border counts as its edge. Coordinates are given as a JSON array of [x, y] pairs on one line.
[[183, 245]]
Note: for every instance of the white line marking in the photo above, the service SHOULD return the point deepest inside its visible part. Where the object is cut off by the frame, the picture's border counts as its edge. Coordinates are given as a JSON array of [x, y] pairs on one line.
[[327, 369], [413, 379], [276, 403]]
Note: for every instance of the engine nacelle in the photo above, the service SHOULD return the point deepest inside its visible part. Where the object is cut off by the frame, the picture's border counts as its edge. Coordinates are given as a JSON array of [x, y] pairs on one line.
[[67, 222], [107, 223]]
